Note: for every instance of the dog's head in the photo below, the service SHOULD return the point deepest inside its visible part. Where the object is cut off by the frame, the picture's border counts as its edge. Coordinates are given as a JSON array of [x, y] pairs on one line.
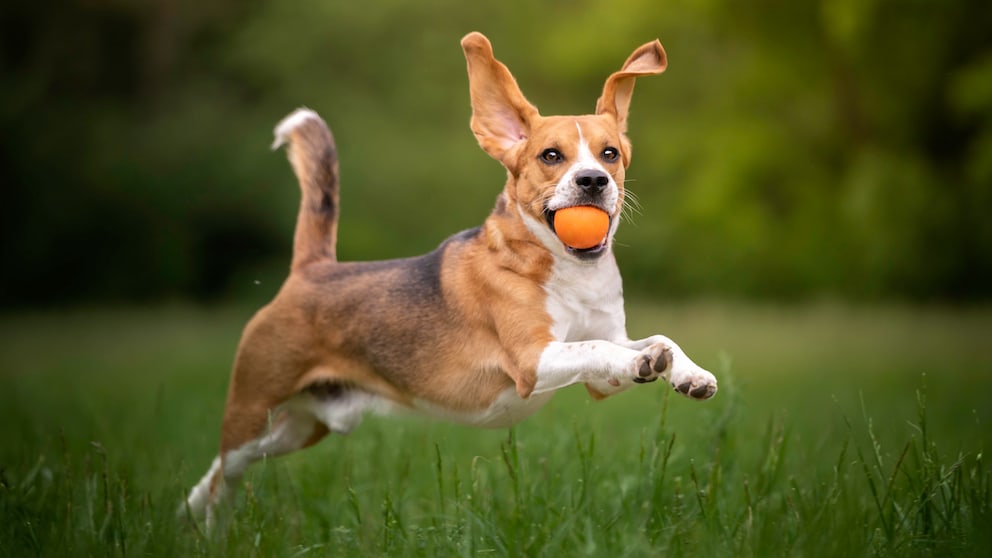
[[556, 162]]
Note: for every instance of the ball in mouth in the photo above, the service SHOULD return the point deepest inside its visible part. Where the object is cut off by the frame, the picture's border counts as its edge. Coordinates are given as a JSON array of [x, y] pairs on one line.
[[581, 227]]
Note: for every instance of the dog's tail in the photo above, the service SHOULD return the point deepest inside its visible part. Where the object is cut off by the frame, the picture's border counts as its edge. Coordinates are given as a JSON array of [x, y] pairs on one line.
[[314, 158]]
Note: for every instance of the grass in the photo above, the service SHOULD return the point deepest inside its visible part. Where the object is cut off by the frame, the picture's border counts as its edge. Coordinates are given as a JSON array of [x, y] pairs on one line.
[[837, 431]]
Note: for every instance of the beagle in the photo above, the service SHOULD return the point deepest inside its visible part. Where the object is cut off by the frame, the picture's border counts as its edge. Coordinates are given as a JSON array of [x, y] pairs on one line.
[[482, 330]]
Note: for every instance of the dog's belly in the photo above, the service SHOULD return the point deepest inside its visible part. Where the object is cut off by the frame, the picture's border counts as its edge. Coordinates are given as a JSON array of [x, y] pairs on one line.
[[506, 410]]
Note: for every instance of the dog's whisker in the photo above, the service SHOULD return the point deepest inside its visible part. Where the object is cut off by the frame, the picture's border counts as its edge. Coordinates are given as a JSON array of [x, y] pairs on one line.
[[632, 198], [631, 206]]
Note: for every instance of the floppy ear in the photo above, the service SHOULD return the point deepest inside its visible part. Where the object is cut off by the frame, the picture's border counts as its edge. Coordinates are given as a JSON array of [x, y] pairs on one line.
[[501, 116], [647, 59]]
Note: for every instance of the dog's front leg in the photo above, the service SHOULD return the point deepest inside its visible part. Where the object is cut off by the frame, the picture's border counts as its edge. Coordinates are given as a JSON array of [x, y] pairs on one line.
[[605, 366]]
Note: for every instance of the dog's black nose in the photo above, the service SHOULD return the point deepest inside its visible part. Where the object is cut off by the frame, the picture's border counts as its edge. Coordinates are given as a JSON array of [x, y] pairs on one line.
[[592, 181]]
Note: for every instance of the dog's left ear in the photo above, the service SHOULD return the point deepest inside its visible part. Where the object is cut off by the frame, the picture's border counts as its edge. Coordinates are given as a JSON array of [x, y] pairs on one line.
[[646, 60]]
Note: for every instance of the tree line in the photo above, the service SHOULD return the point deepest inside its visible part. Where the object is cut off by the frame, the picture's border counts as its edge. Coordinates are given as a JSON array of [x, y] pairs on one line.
[[791, 149]]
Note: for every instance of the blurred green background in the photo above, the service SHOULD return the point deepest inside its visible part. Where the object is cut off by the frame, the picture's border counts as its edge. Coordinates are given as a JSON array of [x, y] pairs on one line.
[[834, 152], [793, 149]]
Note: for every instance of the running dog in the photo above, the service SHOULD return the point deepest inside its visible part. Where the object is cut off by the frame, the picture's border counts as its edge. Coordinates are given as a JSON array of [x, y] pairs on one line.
[[484, 329]]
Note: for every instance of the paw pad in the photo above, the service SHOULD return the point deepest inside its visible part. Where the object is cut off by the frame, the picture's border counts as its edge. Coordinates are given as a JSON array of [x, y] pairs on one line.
[[653, 362], [703, 390]]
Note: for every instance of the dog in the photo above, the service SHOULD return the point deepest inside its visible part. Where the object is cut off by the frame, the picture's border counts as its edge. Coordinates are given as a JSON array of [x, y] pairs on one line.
[[482, 330]]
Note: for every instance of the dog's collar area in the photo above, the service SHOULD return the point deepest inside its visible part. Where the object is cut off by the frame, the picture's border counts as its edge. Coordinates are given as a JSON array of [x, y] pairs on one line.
[[580, 253]]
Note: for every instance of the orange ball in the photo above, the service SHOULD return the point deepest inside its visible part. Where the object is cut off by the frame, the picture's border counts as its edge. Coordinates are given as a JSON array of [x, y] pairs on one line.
[[582, 226]]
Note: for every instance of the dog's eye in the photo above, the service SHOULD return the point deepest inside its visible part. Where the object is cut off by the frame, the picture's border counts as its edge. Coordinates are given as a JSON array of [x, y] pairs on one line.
[[551, 156], [610, 154]]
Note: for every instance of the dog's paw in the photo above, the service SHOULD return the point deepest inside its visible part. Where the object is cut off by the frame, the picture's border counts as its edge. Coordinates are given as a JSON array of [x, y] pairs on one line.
[[666, 360], [652, 363], [692, 381]]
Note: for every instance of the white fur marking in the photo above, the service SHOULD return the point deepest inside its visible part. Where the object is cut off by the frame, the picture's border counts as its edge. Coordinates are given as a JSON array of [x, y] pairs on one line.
[[199, 497], [286, 126], [344, 413], [568, 194], [612, 367], [291, 428], [585, 299], [564, 364]]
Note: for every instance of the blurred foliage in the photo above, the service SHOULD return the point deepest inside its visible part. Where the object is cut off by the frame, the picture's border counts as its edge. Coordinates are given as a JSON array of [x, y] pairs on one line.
[[792, 148]]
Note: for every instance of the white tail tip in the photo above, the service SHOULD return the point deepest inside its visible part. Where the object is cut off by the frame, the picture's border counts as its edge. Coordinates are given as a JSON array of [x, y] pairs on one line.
[[286, 126]]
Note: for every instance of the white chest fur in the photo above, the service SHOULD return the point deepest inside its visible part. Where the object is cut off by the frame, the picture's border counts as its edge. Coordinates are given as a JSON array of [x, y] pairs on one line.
[[585, 300]]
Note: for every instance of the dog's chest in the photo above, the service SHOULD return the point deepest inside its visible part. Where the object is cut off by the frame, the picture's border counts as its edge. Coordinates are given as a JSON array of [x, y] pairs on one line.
[[585, 301]]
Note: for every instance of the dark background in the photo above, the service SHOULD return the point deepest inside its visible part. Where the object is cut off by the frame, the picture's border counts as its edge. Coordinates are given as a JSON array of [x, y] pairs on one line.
[[793, 149]]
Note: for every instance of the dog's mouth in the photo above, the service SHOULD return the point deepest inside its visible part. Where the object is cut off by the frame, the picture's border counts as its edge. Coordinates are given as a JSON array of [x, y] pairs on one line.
[[581, 253]]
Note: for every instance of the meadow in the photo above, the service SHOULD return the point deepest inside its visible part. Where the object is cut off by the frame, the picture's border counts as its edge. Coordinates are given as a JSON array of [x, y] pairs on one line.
[[838, 430]]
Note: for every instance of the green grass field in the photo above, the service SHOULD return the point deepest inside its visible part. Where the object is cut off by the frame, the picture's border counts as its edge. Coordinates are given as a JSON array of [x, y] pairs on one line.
[[837, 431]]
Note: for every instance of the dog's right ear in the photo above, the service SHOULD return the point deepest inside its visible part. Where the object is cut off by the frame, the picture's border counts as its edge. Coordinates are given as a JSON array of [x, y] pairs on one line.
[[501, 116]]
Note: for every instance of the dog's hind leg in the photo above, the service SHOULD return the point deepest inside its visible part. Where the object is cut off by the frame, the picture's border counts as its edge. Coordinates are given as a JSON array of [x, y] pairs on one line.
[[299, 423], [200, 497], [259, 418], [289, 428]]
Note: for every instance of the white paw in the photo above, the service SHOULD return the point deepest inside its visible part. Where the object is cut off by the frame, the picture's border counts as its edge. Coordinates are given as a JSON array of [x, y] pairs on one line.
[[690, 380], [652, 363], [664, 359]]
